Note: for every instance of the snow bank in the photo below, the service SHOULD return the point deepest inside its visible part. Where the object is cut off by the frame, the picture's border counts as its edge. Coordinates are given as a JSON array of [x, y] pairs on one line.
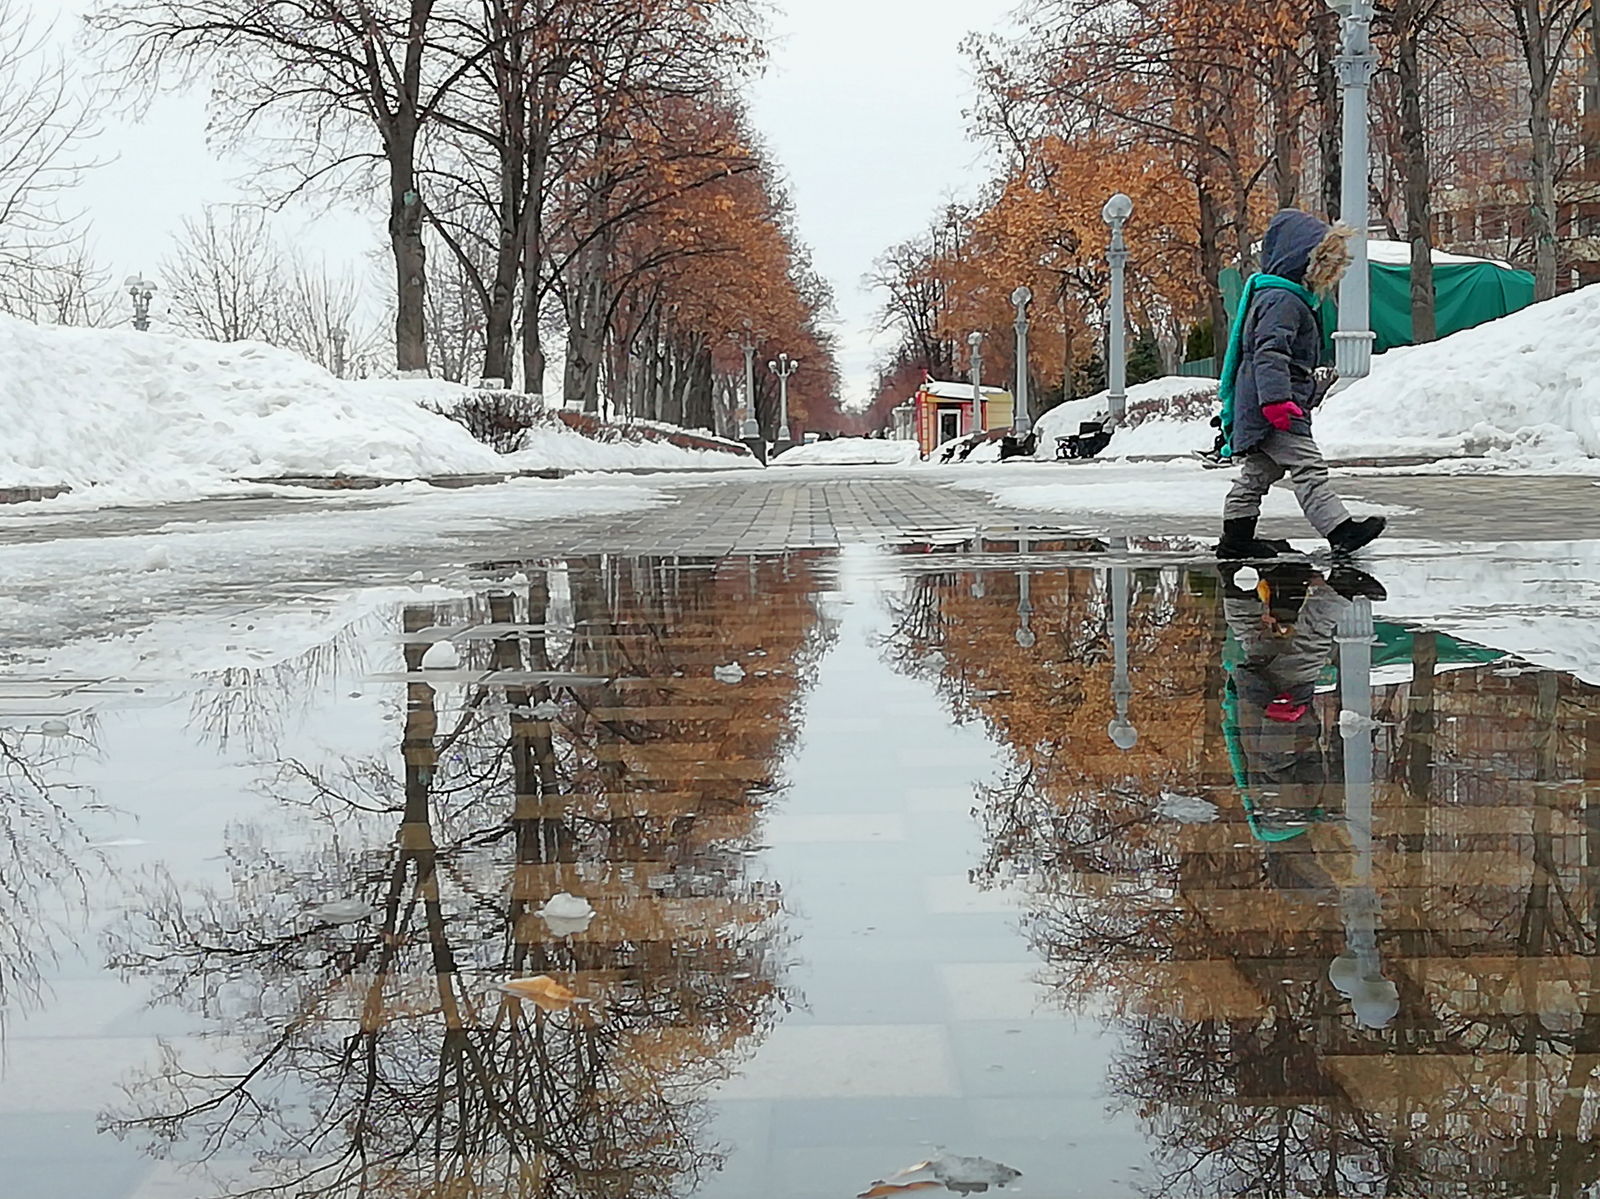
[[558, 447], [1167, 417], [851, 451], [152, 416], [1523, 391], [152, 411]]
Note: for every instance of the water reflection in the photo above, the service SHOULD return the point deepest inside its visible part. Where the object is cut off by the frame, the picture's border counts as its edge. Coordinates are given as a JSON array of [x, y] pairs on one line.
[[575, 742], [1336, 900]]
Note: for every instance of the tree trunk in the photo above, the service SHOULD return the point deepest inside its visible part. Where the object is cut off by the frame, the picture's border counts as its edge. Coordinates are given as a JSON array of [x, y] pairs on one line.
[[511, 84], [410, 255], [1283, 134], [1330, 129], [1414, 161], [1542, 208], [533, 359], [1211, 260], [586, 336], [697, 407]]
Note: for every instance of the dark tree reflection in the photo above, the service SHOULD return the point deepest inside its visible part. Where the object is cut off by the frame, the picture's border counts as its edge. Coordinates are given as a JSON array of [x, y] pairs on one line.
[[360, 1043]]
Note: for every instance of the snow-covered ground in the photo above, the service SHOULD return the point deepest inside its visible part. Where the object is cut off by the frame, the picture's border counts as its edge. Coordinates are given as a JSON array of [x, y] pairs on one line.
[[1520, 393], [151, 417], [851, 451], [100, 599]]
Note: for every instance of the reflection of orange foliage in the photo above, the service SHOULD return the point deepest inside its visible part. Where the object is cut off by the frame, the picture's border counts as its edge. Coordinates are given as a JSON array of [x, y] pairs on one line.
[[1051, 703]]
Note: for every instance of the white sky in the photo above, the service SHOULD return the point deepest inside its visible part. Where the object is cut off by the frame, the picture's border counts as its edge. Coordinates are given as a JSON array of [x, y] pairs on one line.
[[861, 106]]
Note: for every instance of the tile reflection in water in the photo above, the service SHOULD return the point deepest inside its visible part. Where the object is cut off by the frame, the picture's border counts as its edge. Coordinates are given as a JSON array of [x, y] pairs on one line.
[[365, 1042], [1374, 970]]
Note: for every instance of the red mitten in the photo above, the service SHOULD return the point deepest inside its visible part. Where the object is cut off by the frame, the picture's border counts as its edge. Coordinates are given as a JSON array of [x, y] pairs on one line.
[[1280, 414], [1285, 710]]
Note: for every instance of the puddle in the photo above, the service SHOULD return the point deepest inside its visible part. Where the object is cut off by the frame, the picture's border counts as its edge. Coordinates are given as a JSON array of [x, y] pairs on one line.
[[1030, 864]]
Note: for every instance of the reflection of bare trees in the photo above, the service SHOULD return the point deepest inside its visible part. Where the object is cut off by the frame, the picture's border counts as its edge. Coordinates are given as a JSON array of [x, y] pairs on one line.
[[1210, 949], [43, 856], [362, 1045]]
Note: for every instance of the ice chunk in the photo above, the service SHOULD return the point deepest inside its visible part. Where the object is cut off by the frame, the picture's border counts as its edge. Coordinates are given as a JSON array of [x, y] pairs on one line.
[[566, 914], [343, 911], [731, 673], [1352, 724], [1186, 809], [441, 655]]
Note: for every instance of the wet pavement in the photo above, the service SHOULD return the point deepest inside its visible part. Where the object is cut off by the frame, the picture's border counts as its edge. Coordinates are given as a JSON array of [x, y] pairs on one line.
[[865, 843]]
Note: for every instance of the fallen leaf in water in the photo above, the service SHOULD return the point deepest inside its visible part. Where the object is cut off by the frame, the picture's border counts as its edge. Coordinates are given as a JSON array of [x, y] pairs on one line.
[[543, 990], [899, 1188]]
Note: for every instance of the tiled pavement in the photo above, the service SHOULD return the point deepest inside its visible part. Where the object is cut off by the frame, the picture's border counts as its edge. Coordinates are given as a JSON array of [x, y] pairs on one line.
[[750, 512]]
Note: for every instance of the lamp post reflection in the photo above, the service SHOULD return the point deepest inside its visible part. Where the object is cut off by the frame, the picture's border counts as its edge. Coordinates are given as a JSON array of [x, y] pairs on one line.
[[1357, 973], [1121, 731], [1025, 635]]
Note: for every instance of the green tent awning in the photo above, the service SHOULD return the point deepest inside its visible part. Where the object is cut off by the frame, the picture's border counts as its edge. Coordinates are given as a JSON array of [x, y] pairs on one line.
[[1464, 294]]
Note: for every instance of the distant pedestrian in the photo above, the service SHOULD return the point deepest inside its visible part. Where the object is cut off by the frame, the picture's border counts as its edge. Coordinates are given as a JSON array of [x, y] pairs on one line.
[[1270, 386]]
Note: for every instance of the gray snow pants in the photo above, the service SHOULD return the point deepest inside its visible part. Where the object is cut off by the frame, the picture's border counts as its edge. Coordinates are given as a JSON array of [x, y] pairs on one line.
[[1295, 455]]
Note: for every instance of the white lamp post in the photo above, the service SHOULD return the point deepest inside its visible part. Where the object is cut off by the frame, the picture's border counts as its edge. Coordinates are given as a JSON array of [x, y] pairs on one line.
[[751, 432], [337, 335], [783, 366], [1352, 344], [141, 290], [975, 370], [1021, 423], [1116, 213]]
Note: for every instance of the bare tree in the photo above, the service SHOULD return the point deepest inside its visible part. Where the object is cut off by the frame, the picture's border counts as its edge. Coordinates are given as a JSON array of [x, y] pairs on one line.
[[356, 84], [44, 121], [223, 277]]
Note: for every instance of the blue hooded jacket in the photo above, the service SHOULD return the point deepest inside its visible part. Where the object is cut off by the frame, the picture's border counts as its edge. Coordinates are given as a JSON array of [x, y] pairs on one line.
[[1282, 339]]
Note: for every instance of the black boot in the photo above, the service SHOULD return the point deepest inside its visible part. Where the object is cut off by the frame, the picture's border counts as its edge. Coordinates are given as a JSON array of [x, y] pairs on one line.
[[1350, 583], [1239, 541], [1353, 534]]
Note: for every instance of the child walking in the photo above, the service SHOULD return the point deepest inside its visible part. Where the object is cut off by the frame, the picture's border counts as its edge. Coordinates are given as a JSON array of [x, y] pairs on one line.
[[1269, 389]]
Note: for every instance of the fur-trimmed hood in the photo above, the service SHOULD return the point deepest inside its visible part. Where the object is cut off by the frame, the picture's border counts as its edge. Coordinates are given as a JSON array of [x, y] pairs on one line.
[[1299, 247]]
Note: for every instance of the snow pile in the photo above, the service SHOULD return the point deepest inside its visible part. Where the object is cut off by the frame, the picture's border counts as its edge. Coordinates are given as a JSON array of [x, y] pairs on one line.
[[1167, 416], [151, 416], [152, 412], [851, 451], [1523, 391], [555, 446]]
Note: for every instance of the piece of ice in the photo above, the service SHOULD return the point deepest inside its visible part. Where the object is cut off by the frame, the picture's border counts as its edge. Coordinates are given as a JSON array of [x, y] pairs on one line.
[[566, 914], [156, 558], [548, 710], [1353, 723], [343, 911], [731, 673], [1246, 578], [441, 655], [55, 728], [1186, 809]]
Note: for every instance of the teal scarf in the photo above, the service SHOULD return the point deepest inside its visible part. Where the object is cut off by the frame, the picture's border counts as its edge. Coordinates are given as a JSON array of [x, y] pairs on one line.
[[1230, 362]]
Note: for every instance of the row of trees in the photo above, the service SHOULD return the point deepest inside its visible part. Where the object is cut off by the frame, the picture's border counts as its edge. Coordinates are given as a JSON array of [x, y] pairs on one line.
[[569, 168], [1211, 118], [564, 180]]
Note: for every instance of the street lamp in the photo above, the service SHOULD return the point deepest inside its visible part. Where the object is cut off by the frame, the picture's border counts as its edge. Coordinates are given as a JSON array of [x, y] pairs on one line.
[[975, 370], [751, 433], [1116, 213], [1352, 344], [337, 336], [783, 366], [141, 290], [1021, 423]]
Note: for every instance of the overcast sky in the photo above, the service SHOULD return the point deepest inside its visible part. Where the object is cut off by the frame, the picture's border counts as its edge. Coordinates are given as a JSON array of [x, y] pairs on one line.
[[861, 106]]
